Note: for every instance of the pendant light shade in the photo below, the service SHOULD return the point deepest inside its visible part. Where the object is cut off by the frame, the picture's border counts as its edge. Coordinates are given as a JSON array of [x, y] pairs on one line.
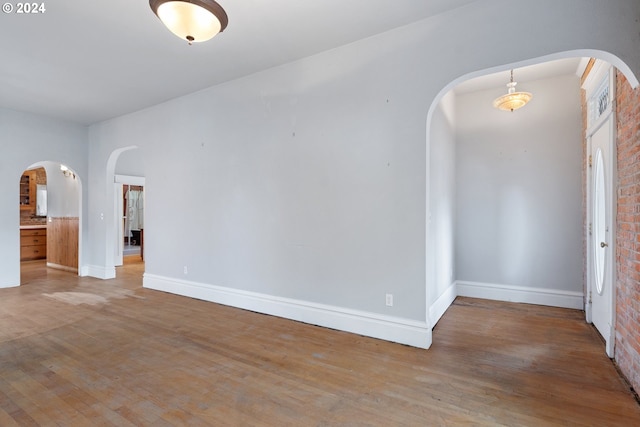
[[512, 100], [191, 20]]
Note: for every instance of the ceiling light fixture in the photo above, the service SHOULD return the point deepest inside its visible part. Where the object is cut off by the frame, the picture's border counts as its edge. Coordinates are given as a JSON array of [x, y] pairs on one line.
[[66, 171], [512, 100], [191, 20]]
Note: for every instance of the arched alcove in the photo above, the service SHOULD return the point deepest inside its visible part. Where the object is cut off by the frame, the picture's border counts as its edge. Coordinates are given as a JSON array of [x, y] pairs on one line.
[[437, 300]]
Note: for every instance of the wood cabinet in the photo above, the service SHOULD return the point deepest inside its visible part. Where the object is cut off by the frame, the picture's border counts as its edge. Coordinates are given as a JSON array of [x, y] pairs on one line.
[[33, 244], [28, 191]]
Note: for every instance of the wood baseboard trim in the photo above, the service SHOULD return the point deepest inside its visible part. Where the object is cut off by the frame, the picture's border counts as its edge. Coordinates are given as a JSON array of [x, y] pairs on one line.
[[62, 267], [394, 329], [539, 296]]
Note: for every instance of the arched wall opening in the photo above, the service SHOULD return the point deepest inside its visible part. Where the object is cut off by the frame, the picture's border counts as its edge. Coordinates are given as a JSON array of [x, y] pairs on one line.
[[440, 296], [125, 170], [51, 231]]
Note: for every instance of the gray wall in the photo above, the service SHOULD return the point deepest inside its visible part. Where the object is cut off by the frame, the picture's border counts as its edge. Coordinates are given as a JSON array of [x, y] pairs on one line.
[[308, 180], [442, 196], [130, 163], [281, 183], [63, 192], [519, 190], [26, 139]]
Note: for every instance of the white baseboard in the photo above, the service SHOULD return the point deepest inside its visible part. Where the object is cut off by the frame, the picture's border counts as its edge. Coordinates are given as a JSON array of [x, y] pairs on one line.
[[101, 272], [84, 271], [404, 331], [540, 296], [8, 285], [443, 302], [62, 267]]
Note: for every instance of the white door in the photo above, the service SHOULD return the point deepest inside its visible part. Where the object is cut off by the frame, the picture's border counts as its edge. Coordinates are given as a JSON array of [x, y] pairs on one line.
[[602, 233]]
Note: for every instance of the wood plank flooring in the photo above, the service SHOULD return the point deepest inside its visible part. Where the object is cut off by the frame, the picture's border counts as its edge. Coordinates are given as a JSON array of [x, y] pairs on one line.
[[85, 352]]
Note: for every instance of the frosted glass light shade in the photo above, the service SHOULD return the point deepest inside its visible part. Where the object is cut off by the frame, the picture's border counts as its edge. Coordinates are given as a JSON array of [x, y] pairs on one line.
[[191, 20], [512, 100]]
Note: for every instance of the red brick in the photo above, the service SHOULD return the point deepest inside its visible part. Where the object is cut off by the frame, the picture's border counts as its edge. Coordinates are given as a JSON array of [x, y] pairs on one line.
[[628, 231]]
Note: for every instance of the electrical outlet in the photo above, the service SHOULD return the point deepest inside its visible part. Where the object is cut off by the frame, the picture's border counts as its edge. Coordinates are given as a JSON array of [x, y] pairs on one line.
[[389, 300], [186, 271]]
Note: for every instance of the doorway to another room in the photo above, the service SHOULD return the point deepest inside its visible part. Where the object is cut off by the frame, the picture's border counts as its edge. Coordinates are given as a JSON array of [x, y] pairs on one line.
[[599, 87], [125, 222], [129, 205], [49, 204], [133, 220]]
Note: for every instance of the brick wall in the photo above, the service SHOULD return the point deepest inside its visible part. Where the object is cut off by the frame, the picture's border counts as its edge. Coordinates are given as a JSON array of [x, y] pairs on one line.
[[628, 232]]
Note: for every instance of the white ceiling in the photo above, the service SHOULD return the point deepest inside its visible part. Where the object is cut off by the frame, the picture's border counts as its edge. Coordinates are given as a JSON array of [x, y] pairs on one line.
[[88, 61], [529, 73]]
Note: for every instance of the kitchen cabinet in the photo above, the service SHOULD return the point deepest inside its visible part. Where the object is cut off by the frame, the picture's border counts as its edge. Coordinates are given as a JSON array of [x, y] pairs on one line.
[[33, 243], [28, 191]]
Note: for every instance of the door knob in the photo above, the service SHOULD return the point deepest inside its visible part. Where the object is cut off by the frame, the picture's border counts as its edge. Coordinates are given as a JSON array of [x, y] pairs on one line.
[[603, 245]]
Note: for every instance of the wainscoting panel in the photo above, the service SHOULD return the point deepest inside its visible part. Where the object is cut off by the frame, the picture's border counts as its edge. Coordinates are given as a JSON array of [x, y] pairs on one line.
[[62, 243]]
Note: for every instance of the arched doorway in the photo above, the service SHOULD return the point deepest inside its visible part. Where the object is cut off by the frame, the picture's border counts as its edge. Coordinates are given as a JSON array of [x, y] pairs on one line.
[[50, 217], [125, 168], [439, 300]]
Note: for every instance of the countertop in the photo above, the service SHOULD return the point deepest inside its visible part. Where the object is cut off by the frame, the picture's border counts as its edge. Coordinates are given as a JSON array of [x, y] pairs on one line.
[[32, 226]]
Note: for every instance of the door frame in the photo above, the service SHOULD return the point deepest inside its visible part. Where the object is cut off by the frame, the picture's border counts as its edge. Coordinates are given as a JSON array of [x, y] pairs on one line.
[[593, 85], [119, 182]]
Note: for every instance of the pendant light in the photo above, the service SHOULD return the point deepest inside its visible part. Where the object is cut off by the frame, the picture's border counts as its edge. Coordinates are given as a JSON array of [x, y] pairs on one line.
[[512, 100], [191, 20]]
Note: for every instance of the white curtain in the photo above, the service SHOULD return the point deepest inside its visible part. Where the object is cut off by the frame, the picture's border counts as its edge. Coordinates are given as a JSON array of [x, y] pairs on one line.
[[135, 211]]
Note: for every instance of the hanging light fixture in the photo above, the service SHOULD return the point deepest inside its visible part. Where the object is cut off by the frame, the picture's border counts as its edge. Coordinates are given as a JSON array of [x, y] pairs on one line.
[[512, 100], [191, 20]]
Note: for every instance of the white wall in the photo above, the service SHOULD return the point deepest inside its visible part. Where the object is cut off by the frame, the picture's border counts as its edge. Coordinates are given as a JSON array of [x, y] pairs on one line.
[[442, 196], [305, 184], [130, 163], [26, 139], [282, 185], [63, 192], [519, 190]]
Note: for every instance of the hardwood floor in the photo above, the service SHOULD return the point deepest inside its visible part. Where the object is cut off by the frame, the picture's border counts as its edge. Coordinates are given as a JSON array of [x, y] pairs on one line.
[[85, 352]]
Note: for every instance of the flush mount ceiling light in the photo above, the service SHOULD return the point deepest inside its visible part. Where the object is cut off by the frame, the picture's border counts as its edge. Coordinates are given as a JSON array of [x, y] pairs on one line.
[[191, 20], [512, 100]]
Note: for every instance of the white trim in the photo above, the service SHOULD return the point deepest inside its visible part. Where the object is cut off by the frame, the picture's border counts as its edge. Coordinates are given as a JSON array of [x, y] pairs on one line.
[[119, 182], [129, 179], [395, 329], [101, 272], [118, 191], [540, 296], [582, 66], [8, 286], [596, 75], [83, 271], [592, 83], [443, 302]]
